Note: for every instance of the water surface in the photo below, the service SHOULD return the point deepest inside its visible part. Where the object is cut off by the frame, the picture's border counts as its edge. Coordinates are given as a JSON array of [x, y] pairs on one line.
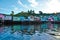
[[17, 32]]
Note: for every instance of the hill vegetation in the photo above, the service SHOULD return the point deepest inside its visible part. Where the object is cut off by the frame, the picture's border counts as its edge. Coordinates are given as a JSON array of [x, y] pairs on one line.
[[31, 12]]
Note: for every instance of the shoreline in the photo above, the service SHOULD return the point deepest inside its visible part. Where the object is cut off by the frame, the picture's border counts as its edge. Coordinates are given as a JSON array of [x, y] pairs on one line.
[[9, 22]]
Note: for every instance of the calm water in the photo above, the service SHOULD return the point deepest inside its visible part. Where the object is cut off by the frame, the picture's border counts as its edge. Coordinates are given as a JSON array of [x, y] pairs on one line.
[[16, 32]]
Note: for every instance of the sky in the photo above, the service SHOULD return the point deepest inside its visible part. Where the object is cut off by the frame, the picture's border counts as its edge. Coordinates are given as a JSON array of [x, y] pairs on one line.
[[46, 6]]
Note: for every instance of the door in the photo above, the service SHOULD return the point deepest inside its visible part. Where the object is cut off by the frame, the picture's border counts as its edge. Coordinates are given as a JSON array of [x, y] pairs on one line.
[[0, 20]]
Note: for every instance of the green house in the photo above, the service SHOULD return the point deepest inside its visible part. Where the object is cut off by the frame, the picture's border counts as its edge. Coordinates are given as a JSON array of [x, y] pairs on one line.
[[16, 18]]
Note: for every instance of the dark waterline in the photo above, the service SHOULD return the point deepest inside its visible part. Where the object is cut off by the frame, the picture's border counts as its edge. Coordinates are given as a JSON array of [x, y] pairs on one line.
[[39, 27]]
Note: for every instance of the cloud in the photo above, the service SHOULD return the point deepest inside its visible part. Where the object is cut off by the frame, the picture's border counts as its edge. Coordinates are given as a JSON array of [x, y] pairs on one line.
[[47, 6], [20, 3], [16, 9], [52, 6], [33, 3]]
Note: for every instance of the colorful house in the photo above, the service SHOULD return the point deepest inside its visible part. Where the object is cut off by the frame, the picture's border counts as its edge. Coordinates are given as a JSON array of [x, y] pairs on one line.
[[7, 17], [58, 15], [27, 20], [1, 17], [43, 18], [58, 18], [31, 18], [16, 18], [55, 18], [36, 18], [22, 18], [46, 18], [50, 18]]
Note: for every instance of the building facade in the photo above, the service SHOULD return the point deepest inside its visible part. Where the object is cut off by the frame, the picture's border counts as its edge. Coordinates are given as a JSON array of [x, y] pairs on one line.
[[7, 17], [1, 18], [16, 18]]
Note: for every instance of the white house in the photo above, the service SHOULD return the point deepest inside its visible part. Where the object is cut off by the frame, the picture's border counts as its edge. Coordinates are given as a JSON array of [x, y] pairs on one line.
[[7, 17], [31, 18]]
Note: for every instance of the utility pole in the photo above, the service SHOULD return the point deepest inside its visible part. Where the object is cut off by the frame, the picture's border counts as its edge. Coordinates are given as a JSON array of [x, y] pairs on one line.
[[12, 13]]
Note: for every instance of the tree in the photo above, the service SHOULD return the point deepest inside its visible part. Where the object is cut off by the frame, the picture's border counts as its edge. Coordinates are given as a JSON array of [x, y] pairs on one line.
[[28, 11], [12, 13], [33, 12], [40, 12]]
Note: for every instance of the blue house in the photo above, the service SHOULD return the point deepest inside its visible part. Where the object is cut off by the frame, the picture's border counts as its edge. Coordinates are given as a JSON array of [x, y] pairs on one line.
[[55, 18], [43, 18], [22, 18]]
